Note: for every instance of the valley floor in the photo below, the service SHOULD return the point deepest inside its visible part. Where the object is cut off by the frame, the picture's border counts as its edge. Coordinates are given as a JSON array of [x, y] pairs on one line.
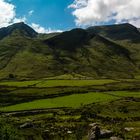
[[56, 109]]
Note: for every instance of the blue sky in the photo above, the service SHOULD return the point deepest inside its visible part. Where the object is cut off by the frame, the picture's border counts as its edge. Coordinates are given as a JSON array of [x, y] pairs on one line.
[[52, 14], [59, 15]]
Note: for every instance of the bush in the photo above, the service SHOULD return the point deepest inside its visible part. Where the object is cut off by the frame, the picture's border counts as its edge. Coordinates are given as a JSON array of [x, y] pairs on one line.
[[8, 132], [11, 76]]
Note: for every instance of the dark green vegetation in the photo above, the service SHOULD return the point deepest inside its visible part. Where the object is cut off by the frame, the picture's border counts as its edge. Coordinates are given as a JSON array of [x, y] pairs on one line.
[[54, 85], [97, 52]]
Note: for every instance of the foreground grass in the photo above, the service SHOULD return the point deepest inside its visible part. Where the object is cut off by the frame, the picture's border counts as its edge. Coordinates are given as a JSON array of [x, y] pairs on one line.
[[106, 102], [74, 101]]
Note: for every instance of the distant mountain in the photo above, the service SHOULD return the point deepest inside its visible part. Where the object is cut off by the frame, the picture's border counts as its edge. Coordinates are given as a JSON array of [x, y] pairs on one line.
[[117, 32], [125, 35], [20, 28], [97, 52], [69, 40]]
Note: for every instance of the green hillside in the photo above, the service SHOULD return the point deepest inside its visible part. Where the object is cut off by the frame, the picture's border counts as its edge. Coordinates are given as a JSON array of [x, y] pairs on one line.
[[117, 32], [24, 54], [125, 35], [22, 28]]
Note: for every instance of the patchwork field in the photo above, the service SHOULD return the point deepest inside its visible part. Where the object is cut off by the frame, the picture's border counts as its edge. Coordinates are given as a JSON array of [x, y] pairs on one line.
[[74, 101], [62, 106]]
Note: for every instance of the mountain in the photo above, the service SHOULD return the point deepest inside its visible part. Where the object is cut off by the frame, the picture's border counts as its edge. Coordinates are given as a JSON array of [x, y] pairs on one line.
[[117, 32], [87, 52], [21, 28], [125, 35], [69, 40]]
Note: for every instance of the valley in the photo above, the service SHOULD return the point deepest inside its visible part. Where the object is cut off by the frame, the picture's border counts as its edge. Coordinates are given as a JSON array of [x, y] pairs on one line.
[[70, 85]]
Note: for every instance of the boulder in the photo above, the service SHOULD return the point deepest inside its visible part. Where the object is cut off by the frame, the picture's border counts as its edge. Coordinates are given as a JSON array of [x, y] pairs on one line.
[[94, 132], [128, 129], [106, 133], [115, 138], [93, 124], [26, 125], [69, 132]]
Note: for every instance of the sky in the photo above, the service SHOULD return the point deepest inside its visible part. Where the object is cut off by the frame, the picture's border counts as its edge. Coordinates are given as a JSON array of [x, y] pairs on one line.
[[47, 16]]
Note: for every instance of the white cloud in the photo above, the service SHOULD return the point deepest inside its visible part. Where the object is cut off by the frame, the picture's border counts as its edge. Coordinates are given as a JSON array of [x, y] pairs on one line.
[[8, 17], [16, 20], [41, 29], [8, 14], [93, 12], [135, 22], [30, 13]]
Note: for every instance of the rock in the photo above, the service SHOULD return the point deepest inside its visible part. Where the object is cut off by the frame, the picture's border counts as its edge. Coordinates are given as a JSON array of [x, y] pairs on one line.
[[94, 132], [26, 125], [128, 129], [69, 132], [93, 124], [46, 135], [106, 133], [46, 131], [92, 137], [115, 138]]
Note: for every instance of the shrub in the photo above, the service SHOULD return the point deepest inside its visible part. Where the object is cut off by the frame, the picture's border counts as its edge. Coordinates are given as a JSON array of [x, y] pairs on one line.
[[11, 76], [8, 132]]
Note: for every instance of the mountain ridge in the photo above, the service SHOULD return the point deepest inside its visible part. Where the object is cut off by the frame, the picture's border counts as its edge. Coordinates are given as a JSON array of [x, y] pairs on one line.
[[22, 27], [27, 54]]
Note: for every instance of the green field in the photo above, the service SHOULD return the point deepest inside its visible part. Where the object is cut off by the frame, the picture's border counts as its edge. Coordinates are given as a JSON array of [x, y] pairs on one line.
[[19, 83], [125, 93], [75, 101], [54, 83]]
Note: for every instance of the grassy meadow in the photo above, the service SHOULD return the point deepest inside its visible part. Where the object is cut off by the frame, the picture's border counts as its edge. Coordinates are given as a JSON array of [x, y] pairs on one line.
[[74, 101]]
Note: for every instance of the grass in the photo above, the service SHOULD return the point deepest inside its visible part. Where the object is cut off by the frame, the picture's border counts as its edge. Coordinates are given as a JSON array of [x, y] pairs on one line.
[[125, 93], [74, 101], [19, 83], [56, 83], [113, 100]]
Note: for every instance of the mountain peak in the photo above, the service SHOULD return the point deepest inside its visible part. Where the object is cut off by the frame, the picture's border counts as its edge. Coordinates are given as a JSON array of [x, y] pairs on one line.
[[123, 31], [21, 27], [69, 40]]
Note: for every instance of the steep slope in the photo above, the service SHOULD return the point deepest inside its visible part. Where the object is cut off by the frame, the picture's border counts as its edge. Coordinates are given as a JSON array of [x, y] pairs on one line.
[[69, 40], [126, 35], [47, 36], [91, 54], [76, 51], [17, 28], [117, 32]]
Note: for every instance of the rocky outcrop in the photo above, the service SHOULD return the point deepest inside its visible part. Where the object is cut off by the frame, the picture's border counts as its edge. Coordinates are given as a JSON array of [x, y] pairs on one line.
[[95, 132]]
